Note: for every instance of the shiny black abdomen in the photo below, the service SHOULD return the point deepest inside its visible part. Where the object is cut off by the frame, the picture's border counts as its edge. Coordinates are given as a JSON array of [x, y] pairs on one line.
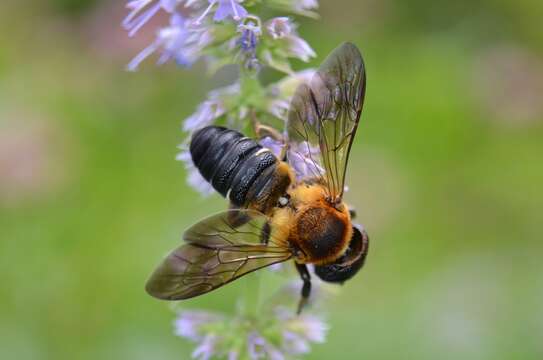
[[231, 162]]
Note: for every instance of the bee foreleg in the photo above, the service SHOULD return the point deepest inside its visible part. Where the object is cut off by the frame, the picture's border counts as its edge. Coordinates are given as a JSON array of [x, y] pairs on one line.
[[352, 212], [306, 288], [284, 152], [265, 234]]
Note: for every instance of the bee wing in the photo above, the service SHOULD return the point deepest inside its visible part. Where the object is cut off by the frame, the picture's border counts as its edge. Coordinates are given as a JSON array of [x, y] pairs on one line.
[[324, 116], [219, 249]]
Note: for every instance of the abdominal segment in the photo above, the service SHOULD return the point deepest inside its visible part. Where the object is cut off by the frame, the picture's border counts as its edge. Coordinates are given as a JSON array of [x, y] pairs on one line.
[[238, 167]]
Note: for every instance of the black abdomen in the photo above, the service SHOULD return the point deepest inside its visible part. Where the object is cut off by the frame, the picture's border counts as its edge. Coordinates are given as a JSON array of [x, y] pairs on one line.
[[232, 163]]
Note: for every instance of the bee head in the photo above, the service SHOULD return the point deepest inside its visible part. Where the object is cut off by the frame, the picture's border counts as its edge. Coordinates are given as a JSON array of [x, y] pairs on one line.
[[347, 265]]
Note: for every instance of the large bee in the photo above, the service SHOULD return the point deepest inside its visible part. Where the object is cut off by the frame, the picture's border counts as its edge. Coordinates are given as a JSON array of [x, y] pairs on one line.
[[274, 216]]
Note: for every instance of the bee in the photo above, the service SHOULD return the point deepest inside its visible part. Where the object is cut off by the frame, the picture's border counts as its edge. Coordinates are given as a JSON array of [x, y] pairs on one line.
[[275, 216]]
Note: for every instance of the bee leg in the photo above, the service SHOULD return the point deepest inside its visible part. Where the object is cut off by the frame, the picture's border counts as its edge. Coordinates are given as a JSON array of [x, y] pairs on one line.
[[352, 212], [283, 154], [262, 131], [306, 288], [265, 234], [265, 130]]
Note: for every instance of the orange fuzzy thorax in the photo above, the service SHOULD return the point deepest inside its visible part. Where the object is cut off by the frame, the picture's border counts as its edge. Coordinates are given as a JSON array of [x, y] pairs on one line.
[[318, 232]]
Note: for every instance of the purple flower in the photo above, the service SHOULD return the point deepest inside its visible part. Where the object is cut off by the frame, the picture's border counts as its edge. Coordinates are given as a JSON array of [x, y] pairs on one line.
[[248, 41], [188, 323], [279, 27], [300, 330], [272, 144], [143, 10], [250, 32], [282, 29], [304, 159], [294, 343], [206, 349], [207, 111], [194, 178], [299, 48], [225, 9], [176, 42], [282, 335], [259, 348], [211, 109], [311, 327]]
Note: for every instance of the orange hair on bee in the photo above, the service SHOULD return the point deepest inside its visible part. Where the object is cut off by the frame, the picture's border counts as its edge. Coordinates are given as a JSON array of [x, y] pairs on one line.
[[320, 231]]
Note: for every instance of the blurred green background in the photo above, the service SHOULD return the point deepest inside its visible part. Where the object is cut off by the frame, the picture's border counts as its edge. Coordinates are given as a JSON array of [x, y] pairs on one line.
[[446, 175]]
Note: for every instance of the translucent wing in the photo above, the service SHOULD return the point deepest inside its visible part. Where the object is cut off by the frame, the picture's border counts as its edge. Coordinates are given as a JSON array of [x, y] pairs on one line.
[[323, 118], [219, 249]]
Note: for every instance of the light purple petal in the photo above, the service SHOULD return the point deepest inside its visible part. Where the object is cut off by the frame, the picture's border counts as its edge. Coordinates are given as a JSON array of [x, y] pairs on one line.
[[194, 177], [312, 328], [135, 6], [230, 8], [142, 19], [169, 5], [294, 343], [299, 48], [259, 348], [145, 53], [188, 323], [178, 41], [206, 349], [304, 160], [273, 145], [207, 111], [280, 27], [133, 22]]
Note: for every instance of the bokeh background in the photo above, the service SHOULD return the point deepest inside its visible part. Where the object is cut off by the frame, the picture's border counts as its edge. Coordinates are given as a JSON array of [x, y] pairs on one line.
[[446, 174]]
